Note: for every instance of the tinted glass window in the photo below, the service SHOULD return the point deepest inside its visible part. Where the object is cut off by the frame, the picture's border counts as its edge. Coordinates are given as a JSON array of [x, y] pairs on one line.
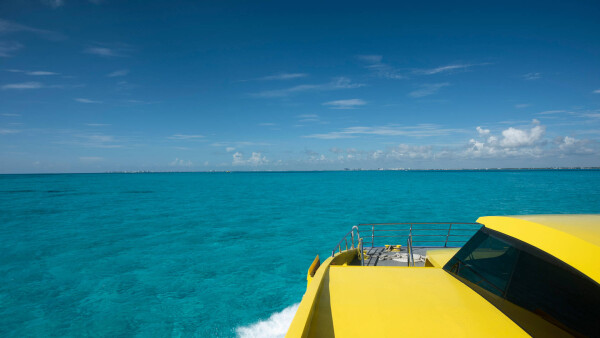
[[485, 261], [557, 293], [531, 279]]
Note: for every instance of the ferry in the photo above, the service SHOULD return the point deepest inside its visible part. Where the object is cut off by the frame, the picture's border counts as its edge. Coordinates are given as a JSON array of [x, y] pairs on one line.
[[503, 276]]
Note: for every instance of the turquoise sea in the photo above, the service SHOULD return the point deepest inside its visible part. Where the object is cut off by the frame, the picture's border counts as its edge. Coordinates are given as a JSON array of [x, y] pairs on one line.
[[218, 254]]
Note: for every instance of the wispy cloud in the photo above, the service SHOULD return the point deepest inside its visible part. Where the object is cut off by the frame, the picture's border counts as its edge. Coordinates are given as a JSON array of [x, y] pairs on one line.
[[33, 73], [444, 69], [23, 85], [374, 64], [181, 163], [11, 114], [239, 144], [522, 105], [428, 89], [255, 159], [532, 76], [8, 131], [345, 104], [91, 158], [597, 91], [420, 130], [97, 124], [308, 118], [266, 124], [109, 50], [7, 48], [102, 51], [185, 137], [116, 73], [335, 84], [551, 112], [41, 73], [83, 100], [8, 27], [284, 76], [132, 101], [95, 140]]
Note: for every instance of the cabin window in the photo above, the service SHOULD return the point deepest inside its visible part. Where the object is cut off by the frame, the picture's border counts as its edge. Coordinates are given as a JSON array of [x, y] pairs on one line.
[[531, 279], [485, 261]]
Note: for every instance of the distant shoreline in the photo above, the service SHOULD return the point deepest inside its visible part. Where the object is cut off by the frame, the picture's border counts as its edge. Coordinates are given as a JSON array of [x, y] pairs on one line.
[[318, 171]]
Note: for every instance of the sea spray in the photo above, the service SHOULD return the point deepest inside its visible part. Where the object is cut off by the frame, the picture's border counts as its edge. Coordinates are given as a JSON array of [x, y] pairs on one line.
[[275, 326]]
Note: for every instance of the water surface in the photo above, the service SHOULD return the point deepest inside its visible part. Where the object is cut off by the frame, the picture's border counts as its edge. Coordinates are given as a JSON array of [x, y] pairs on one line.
[[201, 254]]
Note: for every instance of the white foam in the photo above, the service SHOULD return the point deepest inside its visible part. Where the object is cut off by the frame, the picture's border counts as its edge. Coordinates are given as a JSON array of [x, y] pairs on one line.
[[275, 326]]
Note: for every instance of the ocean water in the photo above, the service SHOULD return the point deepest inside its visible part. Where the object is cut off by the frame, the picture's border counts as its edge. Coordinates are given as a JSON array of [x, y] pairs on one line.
[[218, 254]]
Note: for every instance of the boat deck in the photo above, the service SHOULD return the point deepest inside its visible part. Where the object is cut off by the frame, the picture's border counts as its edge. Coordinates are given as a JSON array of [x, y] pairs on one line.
[[379, 256]]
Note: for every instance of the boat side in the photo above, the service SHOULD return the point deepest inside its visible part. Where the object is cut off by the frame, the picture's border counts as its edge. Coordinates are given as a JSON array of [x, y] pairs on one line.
[[350, 301]]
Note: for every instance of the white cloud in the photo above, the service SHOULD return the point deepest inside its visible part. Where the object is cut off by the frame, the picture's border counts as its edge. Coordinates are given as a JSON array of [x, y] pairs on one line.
[[91, 158], [403, 151], [345, 104], [532, 76], [513, 137], [255, 159], [96, 141], [10, 114], [420, 130], [570, 145], [551, 112], [116, 73], [8, 27], [335, 84], [102, 51], [8, 131], [378, 68], [284, 76], [597, 91], [180, 163], [307, 116], [428, 89], [97, 124], [483, 132], [512, 144], [239, 144], [23, 85], [109, 50], [522, 105], [41, 73], [7, 48], [229, 149], [83, 100], [370, 58], [34, 73], [266, 124], [185, 136], [444, 69]]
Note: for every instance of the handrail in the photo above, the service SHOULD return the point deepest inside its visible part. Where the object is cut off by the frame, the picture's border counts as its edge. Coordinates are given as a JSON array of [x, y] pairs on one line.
[[417, 237], [345, 239]]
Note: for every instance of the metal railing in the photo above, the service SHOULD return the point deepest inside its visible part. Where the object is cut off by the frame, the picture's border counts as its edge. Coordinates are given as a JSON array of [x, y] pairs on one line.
[[431, 234], [421, 234], [354, 236]]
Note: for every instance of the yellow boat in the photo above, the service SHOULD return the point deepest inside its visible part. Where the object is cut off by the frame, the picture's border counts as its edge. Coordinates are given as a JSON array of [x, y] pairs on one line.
[[506, 276]]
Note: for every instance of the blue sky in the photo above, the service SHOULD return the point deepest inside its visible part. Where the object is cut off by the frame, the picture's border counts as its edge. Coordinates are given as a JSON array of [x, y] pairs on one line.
[[94, 86]]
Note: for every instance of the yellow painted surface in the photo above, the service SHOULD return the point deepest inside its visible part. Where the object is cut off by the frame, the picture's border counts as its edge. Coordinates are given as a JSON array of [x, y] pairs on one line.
[[439, 257], [574, 239], [312, 270], [359, 301], [300, 325]]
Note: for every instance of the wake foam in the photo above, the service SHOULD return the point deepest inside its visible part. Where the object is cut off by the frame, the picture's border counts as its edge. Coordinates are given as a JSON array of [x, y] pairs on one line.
[[275, 326]]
